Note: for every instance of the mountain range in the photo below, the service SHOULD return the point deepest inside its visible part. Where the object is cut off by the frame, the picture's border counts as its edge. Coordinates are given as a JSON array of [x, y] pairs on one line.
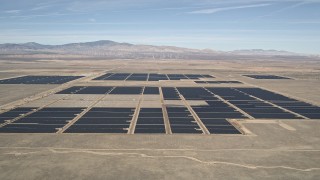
[[114, 50]]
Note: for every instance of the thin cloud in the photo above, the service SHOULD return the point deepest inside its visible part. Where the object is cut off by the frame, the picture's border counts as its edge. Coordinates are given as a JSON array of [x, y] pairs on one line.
[[92, 20], [305, 22], [287, 8], [215, 10], [46, 15], [12, 11], [40, 7]]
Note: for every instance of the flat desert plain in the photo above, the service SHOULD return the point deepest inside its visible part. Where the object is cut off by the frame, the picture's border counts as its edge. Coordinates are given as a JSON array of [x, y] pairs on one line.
[[266, 137]]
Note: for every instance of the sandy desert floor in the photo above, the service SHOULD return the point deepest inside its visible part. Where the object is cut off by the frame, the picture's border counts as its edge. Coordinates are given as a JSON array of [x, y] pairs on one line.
[[266, 149]]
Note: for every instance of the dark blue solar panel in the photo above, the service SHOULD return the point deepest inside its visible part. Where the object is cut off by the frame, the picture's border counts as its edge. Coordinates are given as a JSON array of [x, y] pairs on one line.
[[127, 90], [170, 93], [151, 90]]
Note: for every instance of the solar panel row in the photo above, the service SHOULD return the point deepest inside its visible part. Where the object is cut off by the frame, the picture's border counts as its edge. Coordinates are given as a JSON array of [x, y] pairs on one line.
[[108, 90], [266, 77], [40, 80], [149, 76]]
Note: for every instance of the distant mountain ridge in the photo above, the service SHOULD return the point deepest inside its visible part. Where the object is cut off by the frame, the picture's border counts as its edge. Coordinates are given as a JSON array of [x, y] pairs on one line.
[[34, 45], [110, 49]]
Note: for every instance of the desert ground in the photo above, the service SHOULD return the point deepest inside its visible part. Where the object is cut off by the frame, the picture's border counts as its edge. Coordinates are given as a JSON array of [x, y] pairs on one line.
[[265, 149]]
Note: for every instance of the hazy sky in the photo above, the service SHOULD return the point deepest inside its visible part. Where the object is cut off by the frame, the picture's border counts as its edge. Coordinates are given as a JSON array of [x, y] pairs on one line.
[[291, 25]]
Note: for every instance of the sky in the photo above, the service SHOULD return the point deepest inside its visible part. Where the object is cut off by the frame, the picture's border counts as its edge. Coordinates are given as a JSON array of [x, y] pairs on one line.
[[290, 25]]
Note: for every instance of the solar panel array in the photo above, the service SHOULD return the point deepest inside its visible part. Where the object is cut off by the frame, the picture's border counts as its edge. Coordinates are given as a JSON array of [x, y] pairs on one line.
[[253, 106], [181, 121], [222, 104], [302, 108], [46, 120], [195, 93], [103, 120], [266, 77], [243, 98], [149, 76], [150, 120], [214, 115], [40, 80]]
